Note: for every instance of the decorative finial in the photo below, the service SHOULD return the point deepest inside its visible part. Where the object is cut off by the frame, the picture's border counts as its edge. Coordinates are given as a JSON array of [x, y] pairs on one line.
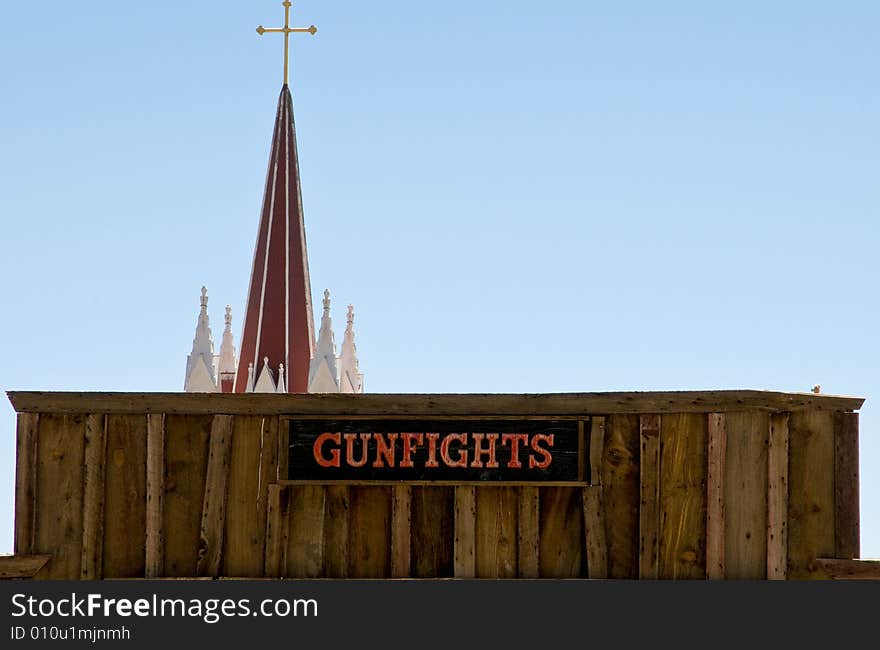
[[817, 389], [266, 361], [326, 301], [228, 317], [204, 298], [287, 30], [350, 316]]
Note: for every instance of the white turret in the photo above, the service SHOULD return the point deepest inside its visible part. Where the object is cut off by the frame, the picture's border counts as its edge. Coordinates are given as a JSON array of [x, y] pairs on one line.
[[227, 363], [351, 378], [323, 375], [200, 377]]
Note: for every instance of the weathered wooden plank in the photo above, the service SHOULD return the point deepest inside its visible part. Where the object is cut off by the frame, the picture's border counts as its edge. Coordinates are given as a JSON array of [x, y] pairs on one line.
[[620, 494], [562, 533], [59, 509], [186, 463], [597, 449], [465, 532], [811, 493], [392, 483], [214, 504], [26, 482], [401, 531], [154, 561], [125, 496], [433, 532], [277, 530], [649, 497], [376, 404], [496, 532], [839, 569], [369, 554], [305, 551], [21, 566], [745, 487], [337, 533], [715, 530], [683, 450], [777, 498], [594, 531], [846, 485], [93, 497], [282, 428], [528, 522], [252, 467]]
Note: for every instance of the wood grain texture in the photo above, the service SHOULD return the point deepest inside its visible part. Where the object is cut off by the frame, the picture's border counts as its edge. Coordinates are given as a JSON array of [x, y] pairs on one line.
[[21, 566], [59, 510], [846, 485], [562, 533], [745, 484], [597, 449], [91, 564], [336, 532], [155, 508], [401, 531], [594, 531], [411, 405], [186, 464], [496, 532], [125, 535], [838, 569], [213, 525], [715, 530], [777, 498], [277, 530], [620, 492], [810, 494], [465, 555], [369, 532], [649, 497], [252, 467], [528, 533], [305, 551], [433, 532], [26, 482], [683, 456]]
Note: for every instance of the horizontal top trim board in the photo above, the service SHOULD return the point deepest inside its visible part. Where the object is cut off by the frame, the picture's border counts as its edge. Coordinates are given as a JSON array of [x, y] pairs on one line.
[[429, 405]]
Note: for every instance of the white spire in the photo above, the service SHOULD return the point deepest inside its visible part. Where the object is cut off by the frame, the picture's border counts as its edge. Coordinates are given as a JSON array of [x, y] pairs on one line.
[[265, 382], [323, 375], [352, 379], [228, 363], [200, 362]]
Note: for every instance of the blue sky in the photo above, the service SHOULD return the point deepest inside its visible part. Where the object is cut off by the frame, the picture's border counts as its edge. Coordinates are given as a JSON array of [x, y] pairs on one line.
[[524, 197]]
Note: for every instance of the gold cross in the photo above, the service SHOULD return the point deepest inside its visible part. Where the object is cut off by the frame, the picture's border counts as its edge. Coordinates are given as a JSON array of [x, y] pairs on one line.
[[287, 30]]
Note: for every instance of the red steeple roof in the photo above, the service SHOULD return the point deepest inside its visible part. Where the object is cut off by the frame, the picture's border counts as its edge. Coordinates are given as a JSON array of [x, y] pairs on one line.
[[278, 322]]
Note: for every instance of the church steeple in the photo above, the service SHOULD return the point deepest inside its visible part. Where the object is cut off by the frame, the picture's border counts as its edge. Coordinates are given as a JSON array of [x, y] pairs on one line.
[[323, 376], [227, 363], [278, 324], [351, 379], [200, 362]]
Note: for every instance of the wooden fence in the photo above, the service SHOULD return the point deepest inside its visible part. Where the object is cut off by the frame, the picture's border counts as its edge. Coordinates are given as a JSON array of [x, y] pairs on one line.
[[687, 485]]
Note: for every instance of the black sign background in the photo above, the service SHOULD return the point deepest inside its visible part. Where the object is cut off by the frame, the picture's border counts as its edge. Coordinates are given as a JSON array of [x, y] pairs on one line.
[[564, 466]]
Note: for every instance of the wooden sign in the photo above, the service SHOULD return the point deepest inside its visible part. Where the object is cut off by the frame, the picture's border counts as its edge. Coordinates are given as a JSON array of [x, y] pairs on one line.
[[428, 450]]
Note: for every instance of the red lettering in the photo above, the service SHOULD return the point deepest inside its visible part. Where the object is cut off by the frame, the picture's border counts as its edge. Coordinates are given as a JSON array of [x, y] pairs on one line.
[[513, 439], [479, 451], [410, 442], [385, 449], [462, 455], [334, 453], [548, 457], [432, 450], [349, 449]]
